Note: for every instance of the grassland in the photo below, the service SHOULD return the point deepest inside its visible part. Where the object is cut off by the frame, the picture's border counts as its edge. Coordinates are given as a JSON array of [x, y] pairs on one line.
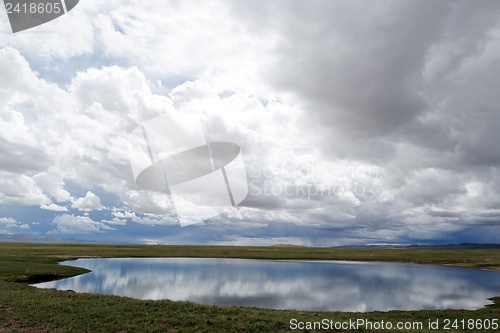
[[27, 309]]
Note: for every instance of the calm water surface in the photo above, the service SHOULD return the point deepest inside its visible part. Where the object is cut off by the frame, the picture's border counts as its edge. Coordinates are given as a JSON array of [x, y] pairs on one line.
[[301, 285]]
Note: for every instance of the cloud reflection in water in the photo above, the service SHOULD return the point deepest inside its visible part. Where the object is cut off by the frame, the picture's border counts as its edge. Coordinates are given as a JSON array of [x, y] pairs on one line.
[[301, 285]]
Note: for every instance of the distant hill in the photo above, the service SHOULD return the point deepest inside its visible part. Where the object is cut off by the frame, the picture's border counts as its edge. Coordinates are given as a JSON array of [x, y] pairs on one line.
[[286, 245], [464, 246], [461, 246], [28, 238], [32, 238]]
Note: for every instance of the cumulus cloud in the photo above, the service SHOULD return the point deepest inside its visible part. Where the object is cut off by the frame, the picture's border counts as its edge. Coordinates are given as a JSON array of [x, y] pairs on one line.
[[8, 222], [150, 219], [115, 221], [54, 207], [71, 224], [53, 185], [89, 202], [16, 189]]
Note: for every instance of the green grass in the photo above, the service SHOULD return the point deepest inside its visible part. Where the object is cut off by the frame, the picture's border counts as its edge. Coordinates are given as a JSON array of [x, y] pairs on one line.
[[27, 309]]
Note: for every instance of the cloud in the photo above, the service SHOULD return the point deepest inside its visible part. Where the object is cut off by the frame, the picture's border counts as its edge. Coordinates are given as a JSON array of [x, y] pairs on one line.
[[155, 220], [54, 207], [124, 215], [360, 79], [150, 219], [20, 190], [89, 202], [53, 185], [115, 221], [8, 222], [317, 95], [20, 151], [71, 224]]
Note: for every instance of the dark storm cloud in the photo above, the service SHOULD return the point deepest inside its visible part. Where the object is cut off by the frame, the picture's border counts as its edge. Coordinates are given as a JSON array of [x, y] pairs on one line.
[[361, 69], [408, 85]]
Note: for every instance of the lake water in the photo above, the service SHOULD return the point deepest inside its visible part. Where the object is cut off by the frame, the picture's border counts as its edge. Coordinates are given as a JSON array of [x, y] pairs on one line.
[[301, 285]]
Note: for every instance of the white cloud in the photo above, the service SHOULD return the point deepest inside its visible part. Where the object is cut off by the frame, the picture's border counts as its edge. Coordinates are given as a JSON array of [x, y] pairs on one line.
[[20, 190], [71, 224], [115, 221], [155, 220], [54, 207], [53, 185], [124, 215], [150, 241], [8, 222], [89, 202], [150, 219]]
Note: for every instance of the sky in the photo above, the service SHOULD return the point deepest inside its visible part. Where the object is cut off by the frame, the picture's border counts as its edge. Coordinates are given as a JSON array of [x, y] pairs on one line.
[[359, 122]]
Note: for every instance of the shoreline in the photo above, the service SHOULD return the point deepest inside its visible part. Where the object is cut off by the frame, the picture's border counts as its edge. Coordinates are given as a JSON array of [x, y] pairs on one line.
[[34, 309]]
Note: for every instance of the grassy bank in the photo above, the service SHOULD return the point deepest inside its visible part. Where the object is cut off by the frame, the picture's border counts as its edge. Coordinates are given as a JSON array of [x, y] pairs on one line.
[[27, 309]]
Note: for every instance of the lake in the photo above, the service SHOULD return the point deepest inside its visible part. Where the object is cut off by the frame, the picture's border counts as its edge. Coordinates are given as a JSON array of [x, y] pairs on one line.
[[300, 285]]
